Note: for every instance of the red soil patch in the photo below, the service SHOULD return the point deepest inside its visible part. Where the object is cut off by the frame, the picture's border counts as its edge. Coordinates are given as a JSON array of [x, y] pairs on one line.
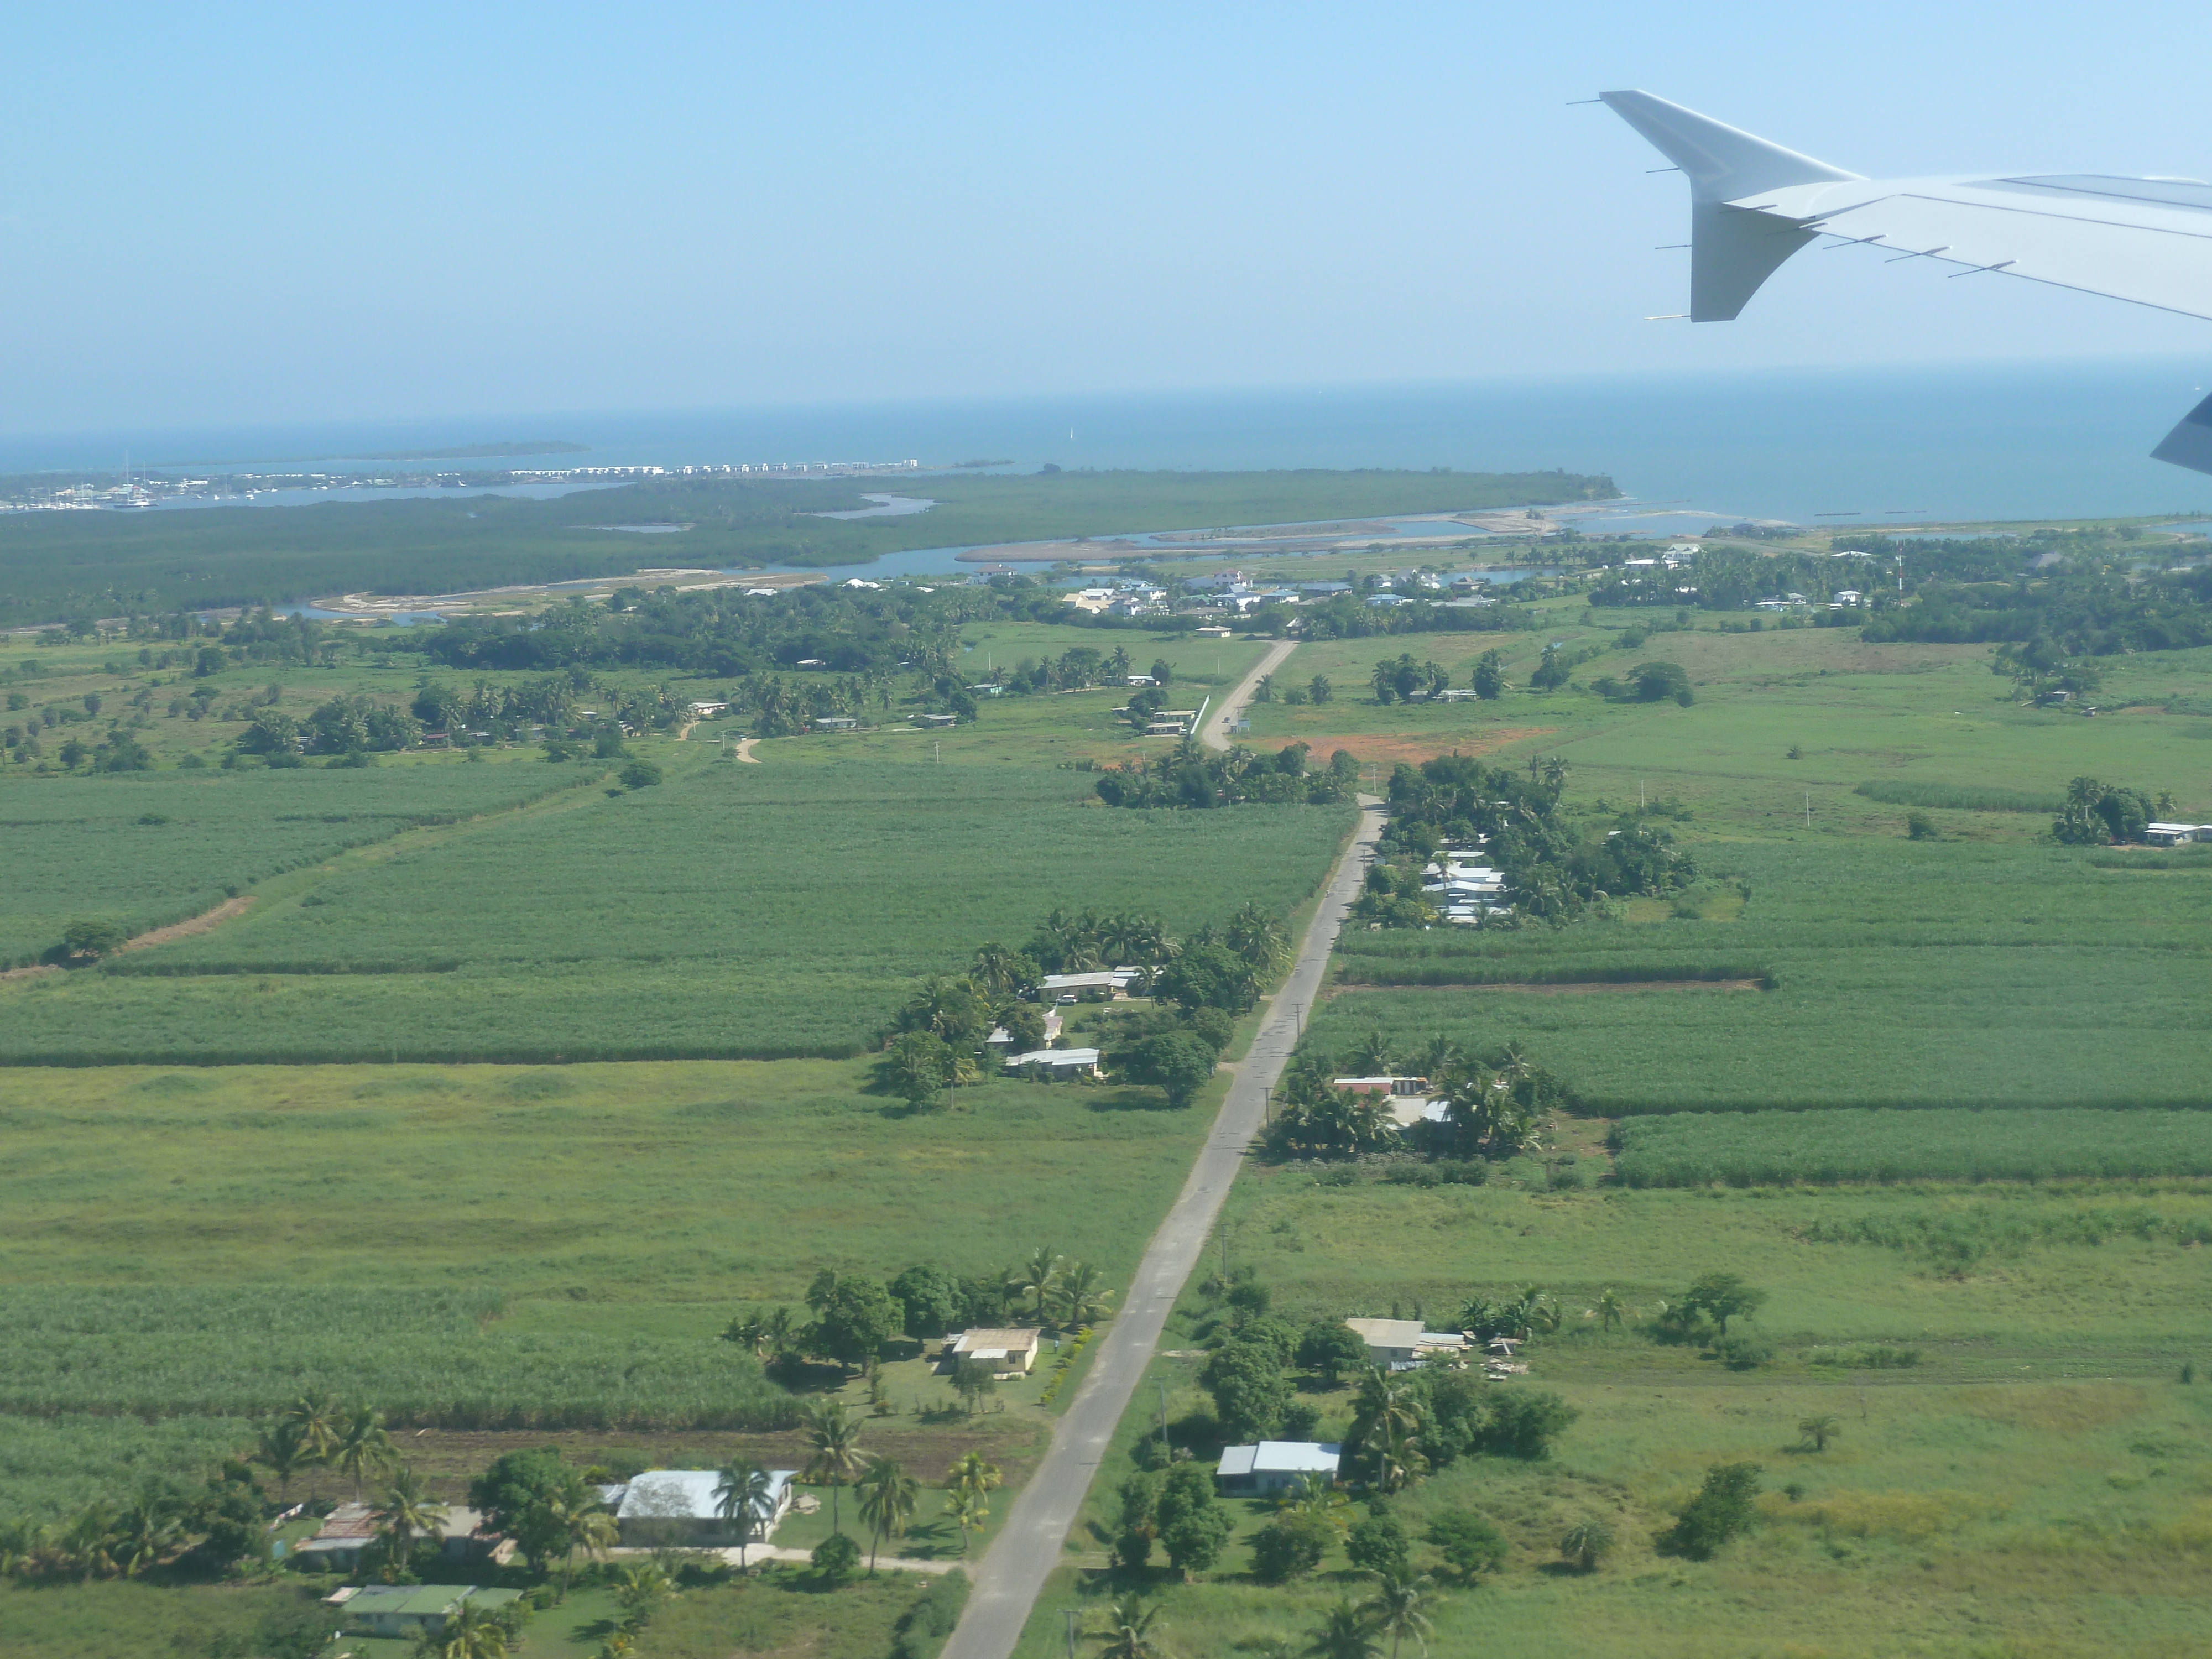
[[1385, 746]]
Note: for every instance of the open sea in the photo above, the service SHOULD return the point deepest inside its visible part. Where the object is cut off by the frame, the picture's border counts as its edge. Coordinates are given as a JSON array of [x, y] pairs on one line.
[[1840, 447]]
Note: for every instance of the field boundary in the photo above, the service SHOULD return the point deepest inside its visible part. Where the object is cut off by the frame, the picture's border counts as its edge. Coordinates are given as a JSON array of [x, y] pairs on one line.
[[1354, 975], [206, 922]]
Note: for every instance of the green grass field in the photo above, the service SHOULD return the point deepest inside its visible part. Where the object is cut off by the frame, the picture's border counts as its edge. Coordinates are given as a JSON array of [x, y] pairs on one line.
[[780, 1615], [736, 910], [147, 849], [488, 1248], [2032, 1485], [1744, 1148]]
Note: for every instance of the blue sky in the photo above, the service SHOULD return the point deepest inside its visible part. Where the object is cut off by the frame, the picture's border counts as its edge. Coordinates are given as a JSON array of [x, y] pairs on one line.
[[221, 214]]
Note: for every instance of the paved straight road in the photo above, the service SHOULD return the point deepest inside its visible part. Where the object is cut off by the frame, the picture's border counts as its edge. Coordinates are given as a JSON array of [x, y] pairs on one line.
[[1214, 734], [1012, 1573]]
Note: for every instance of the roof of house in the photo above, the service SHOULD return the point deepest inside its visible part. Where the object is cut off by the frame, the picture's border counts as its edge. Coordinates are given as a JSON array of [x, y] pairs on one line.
[[687, 1495], [1280, 1458], [1077, 1057], [1116, 978], [1387, 1333], [420, 1601], [994, 1343]]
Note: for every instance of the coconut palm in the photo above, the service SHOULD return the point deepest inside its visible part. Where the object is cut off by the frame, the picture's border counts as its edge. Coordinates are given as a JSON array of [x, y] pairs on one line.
[[836, 1442], [1258, 937], [973, 1474], [1820, 1431], [639, 1591], [1372, 1057], [280, 1449], [1398, 1461], [1343, 1633], [406, 1513], [473, 1633], [1441, 1057], [1400, 1607], [315, 1416], [745, 1493], [583, 1524], [362, 1446], [1077, 1296], [1037, 1277], [1125, 1631], [967, 1512], [887, 1496], [1586, 1542], [1612, 1308]]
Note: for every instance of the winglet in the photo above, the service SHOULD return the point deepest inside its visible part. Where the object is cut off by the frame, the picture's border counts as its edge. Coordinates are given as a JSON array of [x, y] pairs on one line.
[[2189, 443], [1724, 164], [1732, 250]]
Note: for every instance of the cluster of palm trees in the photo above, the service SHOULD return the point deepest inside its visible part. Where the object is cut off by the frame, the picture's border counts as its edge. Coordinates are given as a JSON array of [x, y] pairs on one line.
[[1397, 1608], [1060, 1292], [99, 1542], [887, 1496], [316, 1431], [780, 707], [1496, 1110]]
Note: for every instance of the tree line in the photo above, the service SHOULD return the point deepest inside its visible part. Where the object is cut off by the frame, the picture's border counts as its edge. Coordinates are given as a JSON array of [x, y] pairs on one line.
[[1192, 775]]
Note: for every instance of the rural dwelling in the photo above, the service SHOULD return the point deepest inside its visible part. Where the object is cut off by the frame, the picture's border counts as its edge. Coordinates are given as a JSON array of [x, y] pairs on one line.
[[1011, 1351], [1059, 1063], [2176, 835], [1274, 1466], [674, 1508], [409, 1610], [1068, 987], [349, 1529], [1383, 1085], [1401, 1344], [834, 723]]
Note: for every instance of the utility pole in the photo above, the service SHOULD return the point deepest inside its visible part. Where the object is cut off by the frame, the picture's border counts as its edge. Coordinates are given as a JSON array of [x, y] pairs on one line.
[[1072, 1615], [1808, 809], [939, 747], [1167, 1452]]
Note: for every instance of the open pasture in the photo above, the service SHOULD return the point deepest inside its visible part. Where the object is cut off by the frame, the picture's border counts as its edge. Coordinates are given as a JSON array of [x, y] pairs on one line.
[[1926, 716], [1745, 1149], [147, 849], [2032, 1485], [734, 911]]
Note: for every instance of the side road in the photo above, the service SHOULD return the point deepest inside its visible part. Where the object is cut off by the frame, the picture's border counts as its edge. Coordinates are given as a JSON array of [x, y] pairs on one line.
[[1214, 733], [1012, 1573]]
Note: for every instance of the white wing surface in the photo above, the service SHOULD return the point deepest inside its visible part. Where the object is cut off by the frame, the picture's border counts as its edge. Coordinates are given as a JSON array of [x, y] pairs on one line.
[[1753, 204]]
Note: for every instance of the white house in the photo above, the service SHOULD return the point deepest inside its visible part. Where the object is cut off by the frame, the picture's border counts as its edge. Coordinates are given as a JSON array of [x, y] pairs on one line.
[[1060, 1062], [678, 1507], [2176, 835], [1011, 1352], [1401, 1344], [1274, 1466]]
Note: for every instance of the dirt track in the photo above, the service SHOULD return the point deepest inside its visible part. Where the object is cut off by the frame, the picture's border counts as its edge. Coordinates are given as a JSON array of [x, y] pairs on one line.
[[206, 922]]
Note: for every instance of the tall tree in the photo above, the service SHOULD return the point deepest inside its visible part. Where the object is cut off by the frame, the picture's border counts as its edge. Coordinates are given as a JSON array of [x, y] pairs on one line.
[[405, 1513], [1343, 1633], [743, 1492], [835, 1439], [887, 1496], [363, 1446], [1400, 1607]]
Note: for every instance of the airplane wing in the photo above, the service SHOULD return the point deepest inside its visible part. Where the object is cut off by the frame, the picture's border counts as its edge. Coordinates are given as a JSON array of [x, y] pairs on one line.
[[1753, 204]]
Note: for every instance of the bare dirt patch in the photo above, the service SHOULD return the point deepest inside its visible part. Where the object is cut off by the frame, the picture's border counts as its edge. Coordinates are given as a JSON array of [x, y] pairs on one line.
[[1390, 746], [206, 922], [450, 1458]]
